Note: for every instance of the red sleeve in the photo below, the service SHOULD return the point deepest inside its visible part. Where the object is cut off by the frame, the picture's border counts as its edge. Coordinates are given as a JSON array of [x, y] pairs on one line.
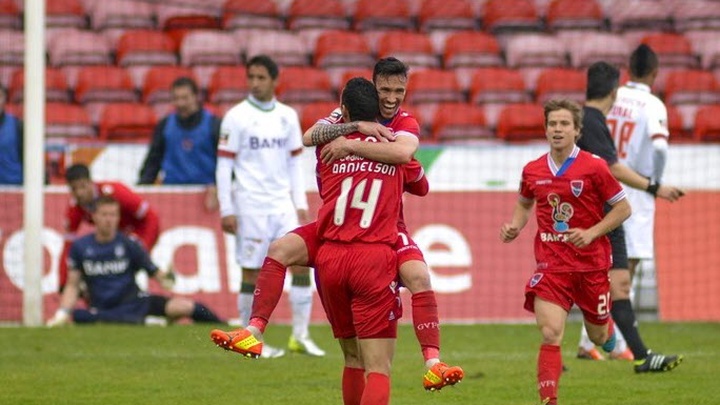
[[415, 181], [407, 124], [148, 230], [526, 191], [418, 188], [610, 189], [130, 202]]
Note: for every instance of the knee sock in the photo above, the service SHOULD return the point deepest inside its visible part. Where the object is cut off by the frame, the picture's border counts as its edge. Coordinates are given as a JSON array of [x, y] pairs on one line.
[[624, 317], [353, 384], [201, 313], [548, 372], [427, 324], [245, 302], [377, 390], [301, 303], [267, 291]]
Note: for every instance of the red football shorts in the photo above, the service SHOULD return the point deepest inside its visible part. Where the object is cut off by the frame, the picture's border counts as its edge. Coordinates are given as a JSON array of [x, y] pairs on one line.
[[309, 234], [407, 249], [589, 290], [359, 289]]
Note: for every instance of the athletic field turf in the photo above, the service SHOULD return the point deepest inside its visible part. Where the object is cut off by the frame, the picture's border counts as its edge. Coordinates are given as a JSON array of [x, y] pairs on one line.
[[179, 365]]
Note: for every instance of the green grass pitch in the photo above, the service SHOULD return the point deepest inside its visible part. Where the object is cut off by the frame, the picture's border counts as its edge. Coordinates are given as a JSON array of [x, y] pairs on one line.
[[180, 365]]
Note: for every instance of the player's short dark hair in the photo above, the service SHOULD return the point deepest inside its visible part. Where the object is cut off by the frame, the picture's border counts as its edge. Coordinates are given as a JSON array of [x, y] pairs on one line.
[[264, 60], [643, 61], [361, 100], [77, 171], [602, 79], [390, 66], [106, 200], [185, 81], [565, 104]]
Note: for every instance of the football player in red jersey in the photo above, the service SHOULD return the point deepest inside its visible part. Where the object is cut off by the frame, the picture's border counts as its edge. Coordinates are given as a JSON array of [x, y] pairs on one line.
[[572, 252], [137, 218]]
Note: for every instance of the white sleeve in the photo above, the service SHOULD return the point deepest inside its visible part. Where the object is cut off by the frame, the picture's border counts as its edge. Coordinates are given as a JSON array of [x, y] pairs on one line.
[[660, 150], [223, 178], [230, 132], [294, 132], [297, 182], [657, 119]]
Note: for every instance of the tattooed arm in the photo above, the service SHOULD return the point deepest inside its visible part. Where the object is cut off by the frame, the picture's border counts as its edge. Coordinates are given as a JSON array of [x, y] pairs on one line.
[[320, 133]]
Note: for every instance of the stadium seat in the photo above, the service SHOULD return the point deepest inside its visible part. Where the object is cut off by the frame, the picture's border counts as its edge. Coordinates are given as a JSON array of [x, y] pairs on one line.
[[206, 47], [158, 81], [312, 112], [10, 16], [228, 84], [350, 73], [433, 86], [446, 15], [498, 85], [673, 50], [678, 127], [285, 47], [691, 87], [65, 14], [707, 124], [535, 50], [304, 85], [251, 14], [127, 121], [382, 15], [709, 51], [104, 84], [471, 49], [12, 47], [521, 122], [696, 15], [561, 83], [326, 14], [639, 15], [109, 14], [413, 48], [342, 49], [193, 16], [456, 121], [56, 86], [75, 47], [574, 14], [145, 47], [500, 16], [67, 120], [593, 47]]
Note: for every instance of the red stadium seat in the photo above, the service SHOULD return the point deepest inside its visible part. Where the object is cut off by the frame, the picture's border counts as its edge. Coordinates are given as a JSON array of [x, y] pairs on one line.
[[673, 50], [104, 84], [561, 83], [574, 14], [206, 47], [56, 86], [382, 15], [707, 124], [312, 112], [471, 49], [593, 47], [304, 85], [413, 48], [251, 14], [199, 15], [691, 87], [696, 15], [510, 15], [67, 120], [146, 47], [12, 47], [228, 84], [342, 49], [10, 16], [350, 73], [454, 121], [127, 121], [447, 15], [158, 81], [640, 15], [327, 14], [433, 86], [679, 127], [75, 47], [535, 50], [122, 14], [65, 13], [498, 85], [285, 47], [521, 122]]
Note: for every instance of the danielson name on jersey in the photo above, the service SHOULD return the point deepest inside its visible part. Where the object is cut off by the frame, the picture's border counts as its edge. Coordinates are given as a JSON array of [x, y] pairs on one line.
[[361, 199], [252, 136], [636, 118], [570, 196], [109, 268]]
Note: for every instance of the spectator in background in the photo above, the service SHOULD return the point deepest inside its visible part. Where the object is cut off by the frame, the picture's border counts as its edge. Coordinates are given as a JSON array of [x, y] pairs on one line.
[[11, 145], [184, 144]]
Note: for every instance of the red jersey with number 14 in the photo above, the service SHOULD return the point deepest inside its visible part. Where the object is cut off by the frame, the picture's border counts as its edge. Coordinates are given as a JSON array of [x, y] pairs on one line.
[[361, 199], [570, 196]]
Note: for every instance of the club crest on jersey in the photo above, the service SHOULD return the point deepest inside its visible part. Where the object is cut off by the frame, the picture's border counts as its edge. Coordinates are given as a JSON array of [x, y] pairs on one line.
[[535, 279], [119, 250], [576, 186]]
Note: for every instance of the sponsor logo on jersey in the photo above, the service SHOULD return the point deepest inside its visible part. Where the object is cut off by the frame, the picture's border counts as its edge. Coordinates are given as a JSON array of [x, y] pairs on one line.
[[576, 186], [224, 135], [561, 212], [271, 143]]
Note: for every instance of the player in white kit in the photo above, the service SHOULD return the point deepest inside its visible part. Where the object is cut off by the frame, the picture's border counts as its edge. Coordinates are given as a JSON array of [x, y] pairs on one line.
[[260, 143]]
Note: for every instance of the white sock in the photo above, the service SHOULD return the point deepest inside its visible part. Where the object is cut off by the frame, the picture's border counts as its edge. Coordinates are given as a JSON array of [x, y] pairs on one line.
[[620, 343], [244, 303], [301, 303], [585, 341]]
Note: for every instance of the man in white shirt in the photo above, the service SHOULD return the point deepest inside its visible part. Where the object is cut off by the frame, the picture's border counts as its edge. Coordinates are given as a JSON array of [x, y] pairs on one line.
[[260, 143]]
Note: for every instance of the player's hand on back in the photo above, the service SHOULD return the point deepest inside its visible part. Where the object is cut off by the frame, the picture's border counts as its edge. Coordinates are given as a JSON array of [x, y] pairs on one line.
[[229, 224], [669, 193], [377, 130], [337, 149]]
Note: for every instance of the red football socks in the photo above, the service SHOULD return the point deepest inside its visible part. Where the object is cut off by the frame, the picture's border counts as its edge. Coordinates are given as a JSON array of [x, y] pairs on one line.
[[353, 385], [426, 323], [377, 390], [548, 373], [268, 290]]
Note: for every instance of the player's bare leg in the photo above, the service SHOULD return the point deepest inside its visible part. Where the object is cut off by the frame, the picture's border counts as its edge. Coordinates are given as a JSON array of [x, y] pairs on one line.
[[416, 277], [550, 319], [377, 355]]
